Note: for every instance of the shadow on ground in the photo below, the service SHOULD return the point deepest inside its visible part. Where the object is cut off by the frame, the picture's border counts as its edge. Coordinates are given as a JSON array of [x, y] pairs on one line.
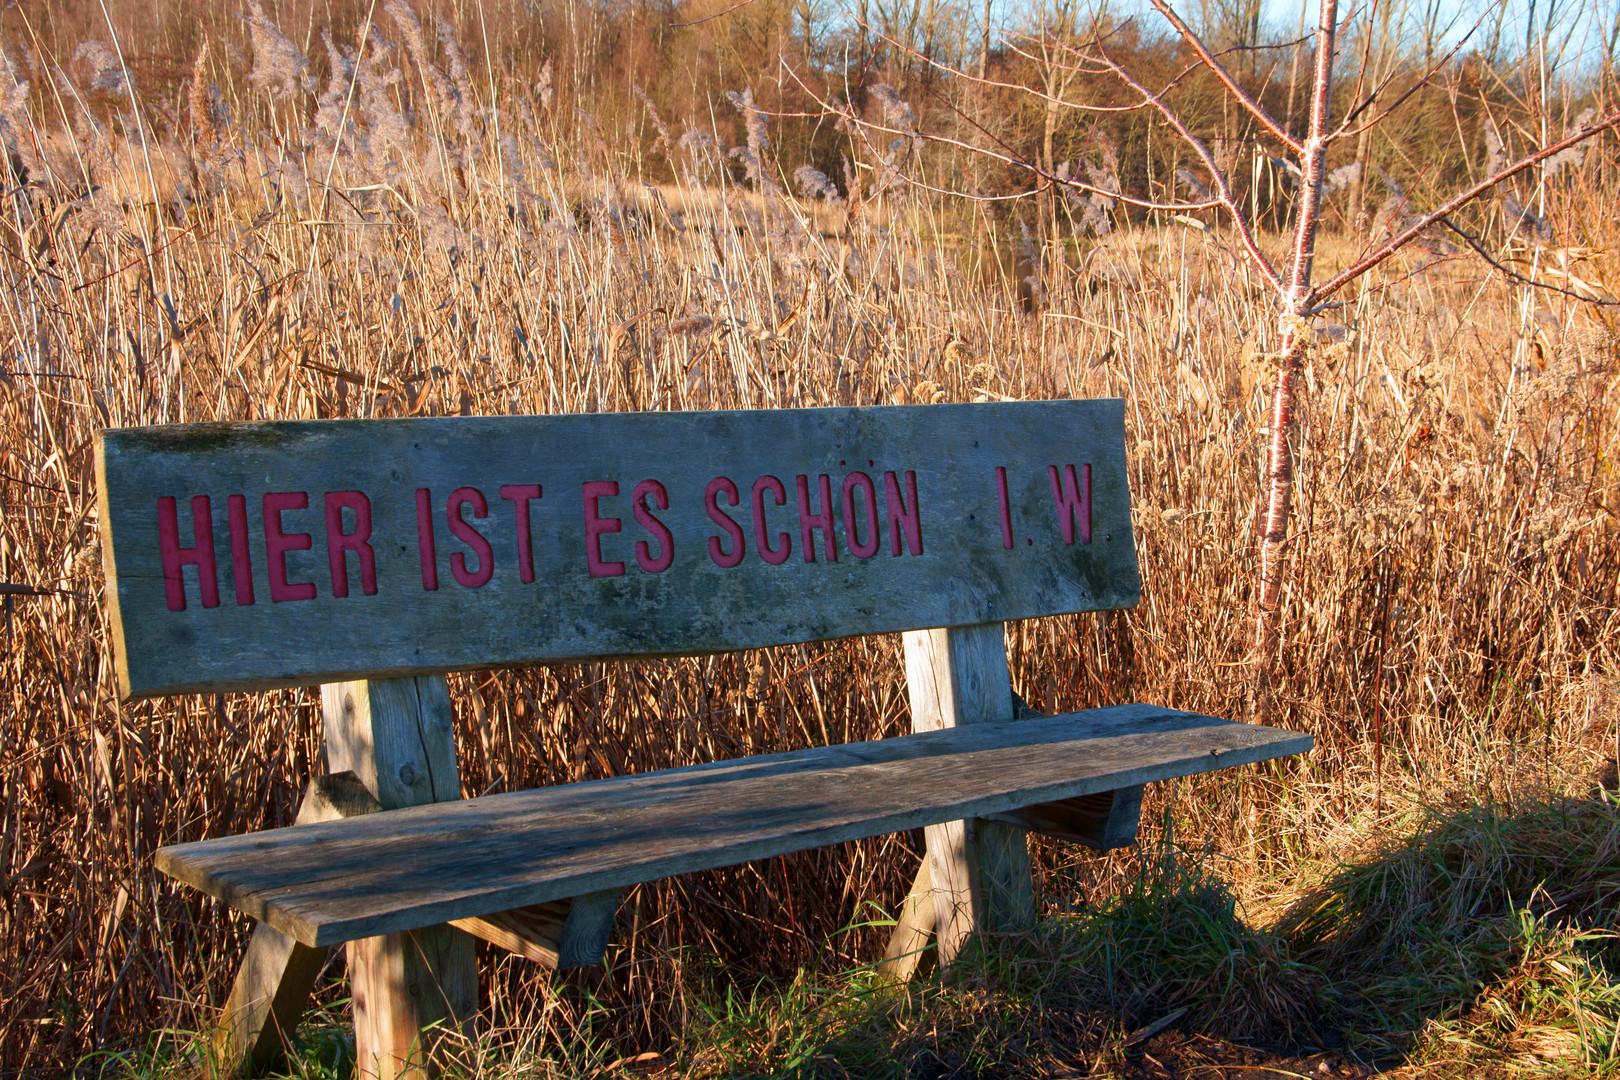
[[1471, 940], [1474, 939]]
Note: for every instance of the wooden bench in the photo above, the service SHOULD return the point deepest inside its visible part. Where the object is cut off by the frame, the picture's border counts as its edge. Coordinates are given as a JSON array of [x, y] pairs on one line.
[[372, 557]]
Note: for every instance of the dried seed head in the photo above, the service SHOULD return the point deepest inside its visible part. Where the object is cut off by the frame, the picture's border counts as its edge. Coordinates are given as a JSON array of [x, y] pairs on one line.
[[815, 184], [692, 326], [1194, 185], [1342, 177], [542, 86], [753, 120], [894, 112], [1495, 152], [663, 141], [277, 63], [201, 98], [99, 67]]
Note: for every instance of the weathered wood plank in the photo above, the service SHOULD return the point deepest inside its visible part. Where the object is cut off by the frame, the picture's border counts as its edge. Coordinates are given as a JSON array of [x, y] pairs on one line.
[[249, 556], [560, 934], [277, 973], [397, 736], [428, 864], [1105, 821], [957, 676], [589, 929], [411, 989], [533, 932]]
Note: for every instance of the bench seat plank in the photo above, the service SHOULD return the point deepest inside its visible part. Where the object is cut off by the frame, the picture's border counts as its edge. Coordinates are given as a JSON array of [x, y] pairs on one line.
[[328, 883]]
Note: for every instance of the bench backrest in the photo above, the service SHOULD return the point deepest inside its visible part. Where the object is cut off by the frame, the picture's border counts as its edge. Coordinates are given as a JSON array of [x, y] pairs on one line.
[[259, 555]]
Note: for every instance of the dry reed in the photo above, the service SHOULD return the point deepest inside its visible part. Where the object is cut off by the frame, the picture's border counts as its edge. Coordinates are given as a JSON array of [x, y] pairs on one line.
[[418, 249]]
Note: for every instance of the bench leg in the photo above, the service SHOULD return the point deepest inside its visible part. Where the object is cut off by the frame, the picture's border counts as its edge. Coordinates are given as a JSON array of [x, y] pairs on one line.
[[268, 999], [981, 872], [409, 998], [907, 953], [411, 991], [273, 984]]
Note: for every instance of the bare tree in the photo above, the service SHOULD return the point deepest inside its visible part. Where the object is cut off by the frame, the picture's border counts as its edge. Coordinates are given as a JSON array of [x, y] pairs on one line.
[[1297, 296]]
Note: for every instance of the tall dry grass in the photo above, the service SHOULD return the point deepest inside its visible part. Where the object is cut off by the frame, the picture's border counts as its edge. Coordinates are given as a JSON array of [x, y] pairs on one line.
[[396, 246]]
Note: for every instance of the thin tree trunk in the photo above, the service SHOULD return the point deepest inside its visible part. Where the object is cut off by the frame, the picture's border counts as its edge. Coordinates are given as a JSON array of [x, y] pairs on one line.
[[1294, 333], [984, 49], [1048, 131]]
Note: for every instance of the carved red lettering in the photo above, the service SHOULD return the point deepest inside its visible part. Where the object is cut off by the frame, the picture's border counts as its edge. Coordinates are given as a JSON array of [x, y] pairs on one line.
[[520, 494], [471, 579], [868, 548], [200, 555], [340, 543], [666, 542], [1073, 501], [596, 525], [425, 545], [1006, 507], [776, 556], [901, 519], [241, 560], [277, 542], [809, 523], [721, 518]]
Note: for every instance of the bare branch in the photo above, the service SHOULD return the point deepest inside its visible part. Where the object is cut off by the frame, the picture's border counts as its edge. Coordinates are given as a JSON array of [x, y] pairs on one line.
[[1095, 67], [1518, 278], [1006, 156], [1279, 482], [1455, 203], [1254, 108], [1346, 132], [1222, 188], [1370, 99], [716, 15], [1039, 95]]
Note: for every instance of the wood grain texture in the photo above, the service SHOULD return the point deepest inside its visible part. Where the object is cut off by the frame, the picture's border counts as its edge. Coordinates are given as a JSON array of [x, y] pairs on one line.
[[532, 932], [422, 865], [273, 983], [412, 989], [411, 995], [957, 676], [559, 934], [1104, 821], [396, 735], [906, 954], [589, 929], [267, 1001], [959, 566]]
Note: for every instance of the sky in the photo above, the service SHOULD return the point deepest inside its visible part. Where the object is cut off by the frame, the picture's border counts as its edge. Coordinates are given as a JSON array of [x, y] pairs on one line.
[[1577, 31]]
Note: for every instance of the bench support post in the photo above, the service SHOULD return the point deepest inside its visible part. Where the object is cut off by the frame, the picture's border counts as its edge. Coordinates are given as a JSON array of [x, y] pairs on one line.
[[267, 1001], [907, 954], [560, 934], [277, 973], [980, 869], [396, 736]]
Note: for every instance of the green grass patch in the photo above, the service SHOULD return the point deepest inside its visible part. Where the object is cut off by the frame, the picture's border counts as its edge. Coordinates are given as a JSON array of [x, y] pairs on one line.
[[1472, 939]]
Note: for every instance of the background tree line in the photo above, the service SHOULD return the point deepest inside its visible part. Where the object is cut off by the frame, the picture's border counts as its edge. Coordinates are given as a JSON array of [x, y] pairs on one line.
[[961, 69]]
